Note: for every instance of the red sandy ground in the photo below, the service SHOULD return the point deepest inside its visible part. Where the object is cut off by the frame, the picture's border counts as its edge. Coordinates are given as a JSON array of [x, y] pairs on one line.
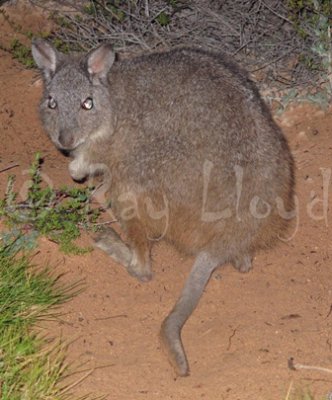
[[246, 327]]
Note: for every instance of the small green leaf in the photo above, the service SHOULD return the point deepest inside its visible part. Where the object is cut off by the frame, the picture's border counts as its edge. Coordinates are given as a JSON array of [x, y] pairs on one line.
[[163, 19]]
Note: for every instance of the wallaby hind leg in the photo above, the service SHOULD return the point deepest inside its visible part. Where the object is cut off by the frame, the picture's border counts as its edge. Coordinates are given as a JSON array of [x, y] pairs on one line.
[[172, 325], [243, 263]]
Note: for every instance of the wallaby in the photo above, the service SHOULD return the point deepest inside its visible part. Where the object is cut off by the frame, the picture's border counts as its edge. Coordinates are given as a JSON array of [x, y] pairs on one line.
[[189, 150]]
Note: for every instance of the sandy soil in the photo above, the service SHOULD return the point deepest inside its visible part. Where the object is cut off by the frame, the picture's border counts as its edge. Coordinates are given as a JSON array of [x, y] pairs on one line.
[[246, 327]]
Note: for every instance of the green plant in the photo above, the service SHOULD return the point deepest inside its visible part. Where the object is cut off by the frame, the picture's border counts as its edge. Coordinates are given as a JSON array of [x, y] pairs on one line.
[[312, 21], [29, 369], [17, 48], [163, 18], [20, 52], [56, 213]]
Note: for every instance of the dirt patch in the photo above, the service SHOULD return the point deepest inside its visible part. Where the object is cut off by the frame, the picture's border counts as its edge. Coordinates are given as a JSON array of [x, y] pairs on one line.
[[246, 327]]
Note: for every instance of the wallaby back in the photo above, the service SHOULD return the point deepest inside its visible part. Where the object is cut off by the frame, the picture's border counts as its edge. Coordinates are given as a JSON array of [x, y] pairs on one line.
[[190, 152]]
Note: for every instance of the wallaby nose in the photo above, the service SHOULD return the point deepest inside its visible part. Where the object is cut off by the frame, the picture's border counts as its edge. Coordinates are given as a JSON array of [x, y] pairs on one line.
[[66, 140]]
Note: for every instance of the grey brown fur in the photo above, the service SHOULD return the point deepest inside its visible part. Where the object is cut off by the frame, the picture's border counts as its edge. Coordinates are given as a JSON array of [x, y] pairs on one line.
[[190, 153]]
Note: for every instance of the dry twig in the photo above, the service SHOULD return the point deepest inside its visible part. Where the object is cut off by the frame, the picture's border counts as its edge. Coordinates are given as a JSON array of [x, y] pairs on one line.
[[260, 34], [10, 166], [295, 366]]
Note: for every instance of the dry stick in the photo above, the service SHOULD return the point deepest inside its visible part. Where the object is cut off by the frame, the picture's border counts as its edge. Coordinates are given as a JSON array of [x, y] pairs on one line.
[[273, 61], [230, 339], [79, 380], [80, 371], [111, 317], [249, 41], [297, 366], [218, 17], [289, 390], [146, 9], [9, 167], [277, 14], [111, 221], [51, 8]]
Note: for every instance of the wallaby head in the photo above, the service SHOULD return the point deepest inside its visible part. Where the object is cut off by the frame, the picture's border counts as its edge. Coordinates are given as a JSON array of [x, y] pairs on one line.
[[71, 117]]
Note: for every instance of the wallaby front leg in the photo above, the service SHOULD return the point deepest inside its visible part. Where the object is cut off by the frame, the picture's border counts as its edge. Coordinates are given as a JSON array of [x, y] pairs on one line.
[[140, 265], [135, 255], [173, 324], [110, 242]]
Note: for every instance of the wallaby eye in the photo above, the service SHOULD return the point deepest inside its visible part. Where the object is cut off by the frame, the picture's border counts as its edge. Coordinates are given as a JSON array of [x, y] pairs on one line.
[[87, 103], [52, 103]]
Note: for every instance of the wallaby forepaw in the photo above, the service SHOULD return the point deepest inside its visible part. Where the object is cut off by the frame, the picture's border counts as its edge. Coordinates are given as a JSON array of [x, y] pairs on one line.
[[141, 276], [76, 171], [141, 271]]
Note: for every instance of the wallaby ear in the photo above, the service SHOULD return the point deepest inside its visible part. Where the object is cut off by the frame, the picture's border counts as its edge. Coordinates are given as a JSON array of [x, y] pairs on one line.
[[100, 61], [45, 56]]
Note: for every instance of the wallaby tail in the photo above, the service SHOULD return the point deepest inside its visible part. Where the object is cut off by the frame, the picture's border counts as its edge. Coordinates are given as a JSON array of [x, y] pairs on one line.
[[173, 324]]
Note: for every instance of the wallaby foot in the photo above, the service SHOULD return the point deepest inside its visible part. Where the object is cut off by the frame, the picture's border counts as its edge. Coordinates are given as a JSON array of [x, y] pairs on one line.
[[243, 264], [113, 245], [171, 327]]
